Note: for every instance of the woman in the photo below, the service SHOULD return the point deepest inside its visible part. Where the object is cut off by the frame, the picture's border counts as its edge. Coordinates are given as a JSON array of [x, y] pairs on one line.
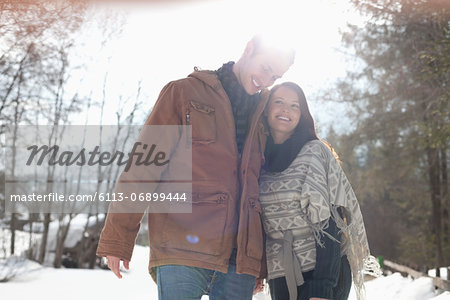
[[306, 200]]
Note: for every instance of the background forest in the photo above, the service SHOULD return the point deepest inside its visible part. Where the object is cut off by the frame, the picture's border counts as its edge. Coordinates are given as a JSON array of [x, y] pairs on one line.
[[395, 150]]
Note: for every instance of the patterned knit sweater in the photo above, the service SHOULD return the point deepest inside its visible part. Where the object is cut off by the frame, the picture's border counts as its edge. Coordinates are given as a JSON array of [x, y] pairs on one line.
[[297, 204]]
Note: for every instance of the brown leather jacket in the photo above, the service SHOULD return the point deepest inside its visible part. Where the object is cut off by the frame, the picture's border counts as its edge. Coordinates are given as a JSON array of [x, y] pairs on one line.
[[219, 219]]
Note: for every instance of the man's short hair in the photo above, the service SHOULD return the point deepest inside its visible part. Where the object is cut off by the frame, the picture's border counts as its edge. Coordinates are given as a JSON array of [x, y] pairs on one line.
[[275, 42]]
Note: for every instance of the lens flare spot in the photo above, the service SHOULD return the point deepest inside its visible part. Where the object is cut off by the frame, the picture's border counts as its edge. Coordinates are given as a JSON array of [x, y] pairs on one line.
[[193, 239]]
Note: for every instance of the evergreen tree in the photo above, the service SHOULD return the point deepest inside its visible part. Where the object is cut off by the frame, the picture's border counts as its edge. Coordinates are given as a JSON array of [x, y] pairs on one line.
[[399, 93]]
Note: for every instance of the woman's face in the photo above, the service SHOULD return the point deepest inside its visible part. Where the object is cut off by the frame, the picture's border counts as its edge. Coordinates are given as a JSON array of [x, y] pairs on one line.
[[283, 113]]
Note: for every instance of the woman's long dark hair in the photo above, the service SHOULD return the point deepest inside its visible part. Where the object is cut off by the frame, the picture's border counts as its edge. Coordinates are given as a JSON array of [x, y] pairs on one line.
[[279, 157]]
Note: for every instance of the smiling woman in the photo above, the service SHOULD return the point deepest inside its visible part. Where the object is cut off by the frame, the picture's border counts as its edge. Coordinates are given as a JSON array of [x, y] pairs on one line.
[[283, 113], [306, 204]]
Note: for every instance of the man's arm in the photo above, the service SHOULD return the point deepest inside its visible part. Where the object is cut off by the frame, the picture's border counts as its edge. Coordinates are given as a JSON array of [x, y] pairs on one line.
[[120, 231]]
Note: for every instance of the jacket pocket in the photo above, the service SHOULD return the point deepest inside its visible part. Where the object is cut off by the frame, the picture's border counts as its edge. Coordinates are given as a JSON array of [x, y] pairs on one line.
[[255, 242], [203, 229], [202, 117]]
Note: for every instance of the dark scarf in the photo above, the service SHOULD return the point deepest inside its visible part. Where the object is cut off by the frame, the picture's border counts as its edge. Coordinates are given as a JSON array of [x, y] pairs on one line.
[[242, 103], [280, 156]]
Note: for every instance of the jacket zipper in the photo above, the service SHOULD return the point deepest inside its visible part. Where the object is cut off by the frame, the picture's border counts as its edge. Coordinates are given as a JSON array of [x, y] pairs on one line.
[[213, 199], [188, 136]]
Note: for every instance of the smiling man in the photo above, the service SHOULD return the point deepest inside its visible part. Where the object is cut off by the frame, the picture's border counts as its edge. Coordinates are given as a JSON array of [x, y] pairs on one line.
[[216, 250]]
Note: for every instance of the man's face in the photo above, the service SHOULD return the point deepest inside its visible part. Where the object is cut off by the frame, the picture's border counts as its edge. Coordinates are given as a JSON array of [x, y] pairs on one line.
[[259, 71]]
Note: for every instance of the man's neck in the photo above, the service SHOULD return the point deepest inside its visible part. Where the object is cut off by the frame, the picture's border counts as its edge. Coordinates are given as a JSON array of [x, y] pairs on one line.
[[237, 72]]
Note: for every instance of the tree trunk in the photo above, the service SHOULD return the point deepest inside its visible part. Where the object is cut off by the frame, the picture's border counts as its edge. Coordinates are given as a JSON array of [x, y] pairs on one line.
[[435, 189], [446, 202], [30, 253], [60, 239], [13, 233], [17, 117], [43, 248], [445, 198]]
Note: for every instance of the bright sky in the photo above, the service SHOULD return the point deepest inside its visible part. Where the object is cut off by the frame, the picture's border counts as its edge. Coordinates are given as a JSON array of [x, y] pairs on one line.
[[163, 42]]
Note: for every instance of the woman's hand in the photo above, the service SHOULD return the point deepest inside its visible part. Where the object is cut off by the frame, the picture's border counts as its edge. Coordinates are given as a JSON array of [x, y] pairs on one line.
[[259, 287]]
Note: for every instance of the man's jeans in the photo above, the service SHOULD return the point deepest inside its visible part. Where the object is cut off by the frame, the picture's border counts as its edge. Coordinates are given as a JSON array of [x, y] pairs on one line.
[[183, 282]]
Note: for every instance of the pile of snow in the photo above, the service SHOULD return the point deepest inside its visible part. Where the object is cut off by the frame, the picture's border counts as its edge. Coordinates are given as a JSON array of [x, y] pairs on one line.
[[397, 287], [22, 241], [23, 238]]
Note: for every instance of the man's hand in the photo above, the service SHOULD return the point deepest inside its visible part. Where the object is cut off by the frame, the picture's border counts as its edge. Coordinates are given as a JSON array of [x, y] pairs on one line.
[[259, 287], [114, 265]]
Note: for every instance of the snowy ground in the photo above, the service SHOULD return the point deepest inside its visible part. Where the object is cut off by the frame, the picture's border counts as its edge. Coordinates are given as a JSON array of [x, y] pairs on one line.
[[75, 284]]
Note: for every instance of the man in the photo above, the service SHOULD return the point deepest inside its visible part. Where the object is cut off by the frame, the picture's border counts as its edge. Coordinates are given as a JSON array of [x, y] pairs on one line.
[[218, 248]]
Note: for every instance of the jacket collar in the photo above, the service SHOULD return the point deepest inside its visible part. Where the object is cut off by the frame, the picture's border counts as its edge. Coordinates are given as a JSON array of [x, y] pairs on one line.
[[208, 77]]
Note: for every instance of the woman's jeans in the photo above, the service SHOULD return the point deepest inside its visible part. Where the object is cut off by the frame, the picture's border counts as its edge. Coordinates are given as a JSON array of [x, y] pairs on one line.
[[182, 282]]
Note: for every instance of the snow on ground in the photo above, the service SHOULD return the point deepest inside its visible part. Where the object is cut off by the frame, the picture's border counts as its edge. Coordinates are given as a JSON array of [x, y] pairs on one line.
[[75, 284], [396, 287]]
